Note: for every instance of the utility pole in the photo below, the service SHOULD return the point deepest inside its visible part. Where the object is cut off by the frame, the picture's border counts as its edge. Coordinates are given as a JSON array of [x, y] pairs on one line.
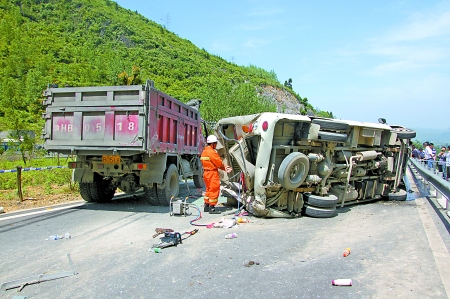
[[167, 21]]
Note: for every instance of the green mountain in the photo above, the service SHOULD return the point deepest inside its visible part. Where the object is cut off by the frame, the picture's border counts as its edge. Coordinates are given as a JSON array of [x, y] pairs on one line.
[[97, 42]]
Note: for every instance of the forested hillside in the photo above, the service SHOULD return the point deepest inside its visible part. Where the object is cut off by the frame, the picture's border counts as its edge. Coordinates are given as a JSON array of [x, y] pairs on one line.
[[96, 42]]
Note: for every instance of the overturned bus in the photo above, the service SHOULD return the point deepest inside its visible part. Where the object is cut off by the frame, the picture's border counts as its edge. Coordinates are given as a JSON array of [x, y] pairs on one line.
[[288, 165]]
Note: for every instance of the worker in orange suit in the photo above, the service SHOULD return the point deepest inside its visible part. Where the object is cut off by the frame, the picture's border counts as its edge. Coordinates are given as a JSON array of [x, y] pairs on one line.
[[212, 162]]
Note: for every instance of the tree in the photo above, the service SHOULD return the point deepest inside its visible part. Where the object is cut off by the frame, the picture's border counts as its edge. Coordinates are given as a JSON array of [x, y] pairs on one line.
[[288, 83], [134, 79]]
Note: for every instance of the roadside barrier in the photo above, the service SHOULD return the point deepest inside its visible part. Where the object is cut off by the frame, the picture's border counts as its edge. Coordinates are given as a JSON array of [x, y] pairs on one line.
[[19, 170], [438, 186], [31, 168]]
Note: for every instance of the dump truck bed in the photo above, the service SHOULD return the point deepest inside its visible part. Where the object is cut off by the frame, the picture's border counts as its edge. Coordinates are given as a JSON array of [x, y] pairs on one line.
[[126, 120]]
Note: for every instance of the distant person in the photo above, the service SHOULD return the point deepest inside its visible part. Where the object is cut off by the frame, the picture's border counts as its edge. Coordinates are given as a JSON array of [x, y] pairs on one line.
[[212, 162], [441, 160], [447, 164], [415, 153], [433, 155], [428, 154]]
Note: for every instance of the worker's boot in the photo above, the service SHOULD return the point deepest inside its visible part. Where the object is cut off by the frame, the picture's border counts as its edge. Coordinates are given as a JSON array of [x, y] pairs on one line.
[[206, 208], [212, 209]]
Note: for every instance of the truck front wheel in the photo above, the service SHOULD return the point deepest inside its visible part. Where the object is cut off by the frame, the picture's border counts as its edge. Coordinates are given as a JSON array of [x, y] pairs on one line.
[[199, 182], [171, 186]]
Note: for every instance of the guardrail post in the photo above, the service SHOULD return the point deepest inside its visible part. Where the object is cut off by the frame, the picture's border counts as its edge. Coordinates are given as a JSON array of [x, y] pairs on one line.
[[433, 190], [19, 183]]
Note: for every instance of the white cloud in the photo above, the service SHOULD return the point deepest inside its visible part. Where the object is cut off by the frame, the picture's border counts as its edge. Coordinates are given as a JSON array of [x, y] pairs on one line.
[[265, 11], [423, 26], [256, 42], [424, 41]]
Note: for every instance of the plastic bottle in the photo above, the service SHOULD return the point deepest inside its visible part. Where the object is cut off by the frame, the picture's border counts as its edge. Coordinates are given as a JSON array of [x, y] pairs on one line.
[[67, 236], [231, 236], [346, 252], [342, 282], [157, 250]]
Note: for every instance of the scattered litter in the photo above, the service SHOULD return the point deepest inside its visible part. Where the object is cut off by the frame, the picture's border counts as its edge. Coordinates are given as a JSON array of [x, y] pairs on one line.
[[38, 278], [225, 223], [19, 297], [243, 220], [2, 210], [342, 282], [251, 263], [58, 237], [156, 250], [231, 236], [346, 252]]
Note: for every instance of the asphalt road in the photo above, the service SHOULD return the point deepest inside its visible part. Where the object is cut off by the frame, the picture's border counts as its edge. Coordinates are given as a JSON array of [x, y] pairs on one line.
[[395, 253]]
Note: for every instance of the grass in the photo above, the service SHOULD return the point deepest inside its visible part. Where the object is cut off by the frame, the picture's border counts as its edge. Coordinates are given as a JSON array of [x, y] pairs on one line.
[[39, 187]]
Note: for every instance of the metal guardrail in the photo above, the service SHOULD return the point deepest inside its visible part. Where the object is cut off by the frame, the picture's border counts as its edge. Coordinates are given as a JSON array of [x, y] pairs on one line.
[[439, 188]]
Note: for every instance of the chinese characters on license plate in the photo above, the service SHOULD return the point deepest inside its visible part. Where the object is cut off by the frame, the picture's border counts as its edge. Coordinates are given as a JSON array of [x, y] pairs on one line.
[[111, 159]]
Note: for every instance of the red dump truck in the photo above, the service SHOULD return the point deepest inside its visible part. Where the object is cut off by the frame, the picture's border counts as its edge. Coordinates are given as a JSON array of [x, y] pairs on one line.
[[128, 137]]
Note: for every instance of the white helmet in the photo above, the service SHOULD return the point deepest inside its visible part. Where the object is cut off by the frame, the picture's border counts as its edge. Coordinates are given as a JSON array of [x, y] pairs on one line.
[[211, 139]]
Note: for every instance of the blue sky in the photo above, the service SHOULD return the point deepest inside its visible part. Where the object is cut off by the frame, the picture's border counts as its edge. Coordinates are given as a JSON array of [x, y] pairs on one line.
[[359, 59]]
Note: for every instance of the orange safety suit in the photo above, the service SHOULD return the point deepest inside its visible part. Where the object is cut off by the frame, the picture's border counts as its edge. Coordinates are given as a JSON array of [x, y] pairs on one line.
[[211, 162]]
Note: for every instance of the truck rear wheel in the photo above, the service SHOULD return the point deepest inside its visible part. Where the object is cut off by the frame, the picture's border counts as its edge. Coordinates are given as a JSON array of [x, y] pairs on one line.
[[171, 186], [150, 195], [319, 212], [102, 190], [85, 191], [400, 195], [329, 201]]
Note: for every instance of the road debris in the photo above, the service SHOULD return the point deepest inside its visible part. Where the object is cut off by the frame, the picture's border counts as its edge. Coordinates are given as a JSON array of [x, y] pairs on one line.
[[346, 252], [231, 236], [342, 282], [251, 263], [23, 282]]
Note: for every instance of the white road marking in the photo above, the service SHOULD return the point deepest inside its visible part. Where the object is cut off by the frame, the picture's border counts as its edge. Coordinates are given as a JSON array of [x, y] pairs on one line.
[[46, 210]]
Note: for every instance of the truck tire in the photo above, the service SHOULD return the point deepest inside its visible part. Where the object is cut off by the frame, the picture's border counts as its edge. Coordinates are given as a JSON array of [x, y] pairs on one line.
[[330, 136], [330, 125], [171, 186], [404, 133], [102, 190], [199, 182], [150, 195], [293, 170], [400, 195], [319, 212], [85, 192], [329, 201]]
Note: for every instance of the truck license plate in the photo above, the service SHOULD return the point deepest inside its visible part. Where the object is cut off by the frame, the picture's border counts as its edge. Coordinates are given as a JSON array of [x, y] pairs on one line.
[[111, 159]]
